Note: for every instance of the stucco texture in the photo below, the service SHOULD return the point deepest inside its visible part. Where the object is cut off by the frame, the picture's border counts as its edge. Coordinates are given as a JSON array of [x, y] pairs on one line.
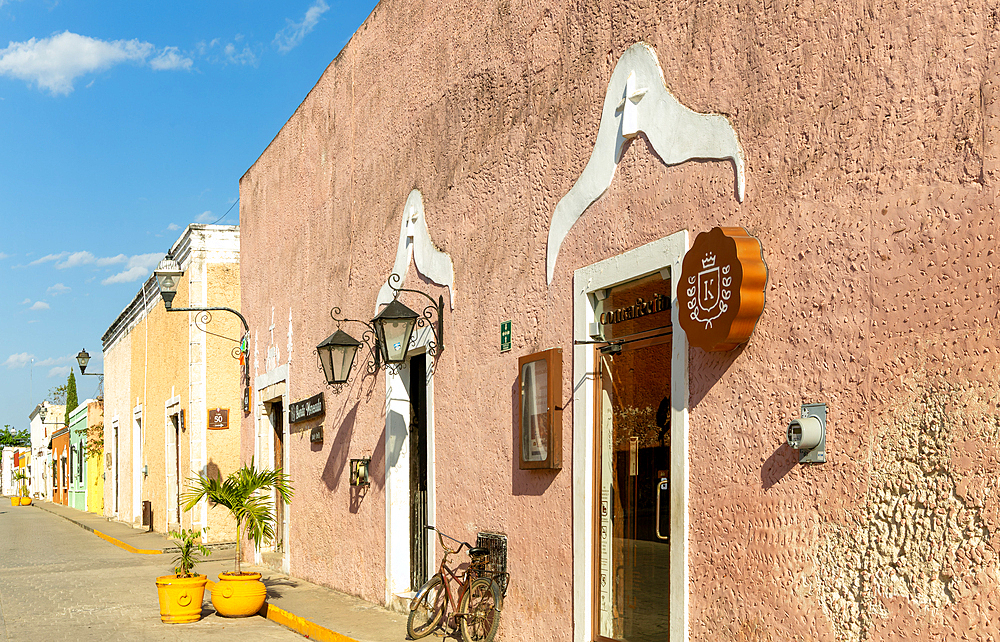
[[870, 137]]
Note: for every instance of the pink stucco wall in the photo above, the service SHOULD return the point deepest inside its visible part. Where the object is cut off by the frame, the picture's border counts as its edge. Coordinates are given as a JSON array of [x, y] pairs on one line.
[[869, 132]]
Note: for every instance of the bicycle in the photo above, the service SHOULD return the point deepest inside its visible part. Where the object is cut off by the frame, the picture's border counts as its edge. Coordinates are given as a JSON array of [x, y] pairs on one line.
[[476, 607]]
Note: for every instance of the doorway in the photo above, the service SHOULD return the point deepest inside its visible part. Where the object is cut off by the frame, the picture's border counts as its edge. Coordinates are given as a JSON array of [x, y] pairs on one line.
[[418, 470], [630, 422], [633, 463], [278, 426]]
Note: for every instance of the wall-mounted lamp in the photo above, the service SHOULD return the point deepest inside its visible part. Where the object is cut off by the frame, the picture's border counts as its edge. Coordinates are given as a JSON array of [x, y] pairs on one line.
[[337, 352], [807, 434], [168, 274], [388, 337], [359, 472]]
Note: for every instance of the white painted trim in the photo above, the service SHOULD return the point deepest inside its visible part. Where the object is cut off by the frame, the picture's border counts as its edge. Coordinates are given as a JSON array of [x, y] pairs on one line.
[[666, 253], [638, 100], [415, 242], [171, 407], [137, 463], [397, 472]]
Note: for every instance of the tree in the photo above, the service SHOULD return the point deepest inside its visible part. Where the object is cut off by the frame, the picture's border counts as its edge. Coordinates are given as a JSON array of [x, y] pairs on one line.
[[57, 396], [71, 400], [11, 437]]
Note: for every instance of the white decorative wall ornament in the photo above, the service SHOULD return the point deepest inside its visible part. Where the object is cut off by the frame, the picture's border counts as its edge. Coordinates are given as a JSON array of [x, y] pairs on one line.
[[415, 243], [637, 100]]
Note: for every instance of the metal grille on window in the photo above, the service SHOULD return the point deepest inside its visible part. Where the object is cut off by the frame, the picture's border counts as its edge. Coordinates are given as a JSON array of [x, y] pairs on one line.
[[496, 544]]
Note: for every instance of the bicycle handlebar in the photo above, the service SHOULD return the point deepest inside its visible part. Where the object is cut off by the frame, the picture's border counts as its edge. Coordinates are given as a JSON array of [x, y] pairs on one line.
[[441, 537]]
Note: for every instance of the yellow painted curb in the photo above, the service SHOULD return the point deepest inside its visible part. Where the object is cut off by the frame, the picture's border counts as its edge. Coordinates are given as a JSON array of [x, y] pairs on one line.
[[127, 547], [302, 626]]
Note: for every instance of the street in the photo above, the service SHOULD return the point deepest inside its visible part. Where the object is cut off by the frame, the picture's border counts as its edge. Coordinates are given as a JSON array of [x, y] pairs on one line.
[[61, 582]]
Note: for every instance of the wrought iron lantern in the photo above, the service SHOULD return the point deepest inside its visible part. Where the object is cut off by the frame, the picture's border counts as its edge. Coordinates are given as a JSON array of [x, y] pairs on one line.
[[168, 274], [336, 355], [83, 359], [394, 328], [338, 351], [395, 324]]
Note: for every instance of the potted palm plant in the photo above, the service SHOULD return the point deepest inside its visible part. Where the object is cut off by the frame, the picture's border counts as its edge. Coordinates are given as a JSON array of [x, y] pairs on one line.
[[181, 594], [21, 481], [247, 495]]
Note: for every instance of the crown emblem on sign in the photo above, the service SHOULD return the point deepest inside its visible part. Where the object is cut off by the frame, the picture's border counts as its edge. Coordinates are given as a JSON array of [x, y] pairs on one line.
[[708, 261]]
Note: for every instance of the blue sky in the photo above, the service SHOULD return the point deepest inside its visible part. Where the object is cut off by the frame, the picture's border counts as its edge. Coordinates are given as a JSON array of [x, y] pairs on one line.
[[120, 124]]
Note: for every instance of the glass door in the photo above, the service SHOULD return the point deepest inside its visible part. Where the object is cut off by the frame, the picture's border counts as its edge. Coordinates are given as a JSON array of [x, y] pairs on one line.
[[633, 459]]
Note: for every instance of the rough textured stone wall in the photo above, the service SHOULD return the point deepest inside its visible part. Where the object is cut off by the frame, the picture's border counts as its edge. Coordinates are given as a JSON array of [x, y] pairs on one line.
[[870, 136]]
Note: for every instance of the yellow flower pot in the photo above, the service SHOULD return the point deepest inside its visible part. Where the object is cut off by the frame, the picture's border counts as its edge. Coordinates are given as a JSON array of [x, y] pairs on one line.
[[180, 598], [25, 501], [15, 501], [238, 595]]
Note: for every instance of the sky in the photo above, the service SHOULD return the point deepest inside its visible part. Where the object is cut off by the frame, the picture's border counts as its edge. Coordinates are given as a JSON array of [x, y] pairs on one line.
[[120, 124]]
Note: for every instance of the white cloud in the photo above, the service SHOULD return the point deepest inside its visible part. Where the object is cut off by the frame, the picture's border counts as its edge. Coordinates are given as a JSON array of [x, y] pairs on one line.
[[60, 371], [51, 361], [40, 305], [218, 52], [169, 58], [293, 33], [58, 289], [4, 256], [138, 267], [173, 227], [49, 257], [18, 360], [54, 63], [26, 302], [76, 259], [205, 217]]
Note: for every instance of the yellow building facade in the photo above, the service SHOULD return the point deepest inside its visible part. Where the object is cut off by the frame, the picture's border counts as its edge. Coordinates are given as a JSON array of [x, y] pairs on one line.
[[95, 458], [164, 372]]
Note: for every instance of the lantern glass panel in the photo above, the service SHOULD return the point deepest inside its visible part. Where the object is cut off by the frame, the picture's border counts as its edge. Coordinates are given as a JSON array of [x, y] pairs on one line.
[[395, 338]]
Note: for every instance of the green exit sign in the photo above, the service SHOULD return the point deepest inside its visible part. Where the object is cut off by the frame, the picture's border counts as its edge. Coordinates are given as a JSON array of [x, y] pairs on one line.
[[505, 336]]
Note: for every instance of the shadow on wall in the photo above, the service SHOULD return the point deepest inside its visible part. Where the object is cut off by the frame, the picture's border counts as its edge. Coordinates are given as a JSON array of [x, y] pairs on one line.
[[337, 460], [525, 482], [212, 470], [707, 369], [782, 460]]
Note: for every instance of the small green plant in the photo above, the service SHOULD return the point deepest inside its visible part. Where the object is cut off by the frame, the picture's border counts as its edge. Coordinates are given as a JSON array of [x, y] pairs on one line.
[[186, 558], [21, 481]]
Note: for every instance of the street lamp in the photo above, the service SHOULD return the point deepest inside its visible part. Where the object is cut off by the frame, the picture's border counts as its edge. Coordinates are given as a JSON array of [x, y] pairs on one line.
[[394, 327], [83, 359], [388, 336], [336, 355], [168, 274]]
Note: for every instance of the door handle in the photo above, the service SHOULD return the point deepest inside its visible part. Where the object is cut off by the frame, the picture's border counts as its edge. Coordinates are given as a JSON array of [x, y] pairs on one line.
[[661, 486]]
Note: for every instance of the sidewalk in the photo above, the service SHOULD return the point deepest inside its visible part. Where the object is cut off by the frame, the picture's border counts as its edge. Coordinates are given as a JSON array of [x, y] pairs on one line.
[[313, 611]]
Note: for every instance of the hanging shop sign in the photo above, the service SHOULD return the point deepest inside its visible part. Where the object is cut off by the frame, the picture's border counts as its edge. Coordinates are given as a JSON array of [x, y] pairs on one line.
[[306, 409], [218, 419], [721, 290]]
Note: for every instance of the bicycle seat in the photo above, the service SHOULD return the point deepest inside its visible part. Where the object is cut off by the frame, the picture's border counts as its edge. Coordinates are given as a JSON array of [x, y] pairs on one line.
[[478, 551]]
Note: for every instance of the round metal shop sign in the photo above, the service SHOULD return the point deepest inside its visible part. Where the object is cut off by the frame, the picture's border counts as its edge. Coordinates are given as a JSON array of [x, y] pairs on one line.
[[721, 289]]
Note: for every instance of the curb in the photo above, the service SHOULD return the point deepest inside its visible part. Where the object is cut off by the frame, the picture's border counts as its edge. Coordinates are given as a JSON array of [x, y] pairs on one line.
[[301, 625], [108, 538]]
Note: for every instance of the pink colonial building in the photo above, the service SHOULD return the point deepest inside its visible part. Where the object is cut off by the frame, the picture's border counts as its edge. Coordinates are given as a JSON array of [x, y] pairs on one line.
[[611, 396]]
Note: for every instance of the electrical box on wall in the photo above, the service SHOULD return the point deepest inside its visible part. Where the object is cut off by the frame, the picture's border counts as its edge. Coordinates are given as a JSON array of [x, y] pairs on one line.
[[807, 434]]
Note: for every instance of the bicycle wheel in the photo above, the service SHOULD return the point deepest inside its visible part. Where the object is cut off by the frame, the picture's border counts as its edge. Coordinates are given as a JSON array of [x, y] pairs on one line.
[[427, 608], [479, 611]]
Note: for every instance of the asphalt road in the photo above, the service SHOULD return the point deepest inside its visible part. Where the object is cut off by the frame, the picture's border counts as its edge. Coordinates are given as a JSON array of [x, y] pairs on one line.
[[60, 582]]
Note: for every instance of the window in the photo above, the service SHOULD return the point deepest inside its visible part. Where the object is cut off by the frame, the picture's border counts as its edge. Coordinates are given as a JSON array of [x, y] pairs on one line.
[[540, 387]]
